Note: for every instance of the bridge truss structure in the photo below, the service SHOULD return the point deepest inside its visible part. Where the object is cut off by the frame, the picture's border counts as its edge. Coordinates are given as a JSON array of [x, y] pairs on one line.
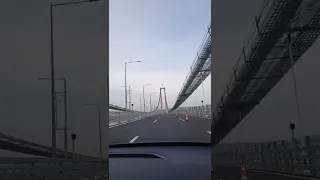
[[282, 33], [199, 70]]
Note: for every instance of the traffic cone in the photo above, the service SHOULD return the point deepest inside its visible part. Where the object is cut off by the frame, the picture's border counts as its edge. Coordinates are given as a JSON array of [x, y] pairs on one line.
[[187, 117], [243, 172]]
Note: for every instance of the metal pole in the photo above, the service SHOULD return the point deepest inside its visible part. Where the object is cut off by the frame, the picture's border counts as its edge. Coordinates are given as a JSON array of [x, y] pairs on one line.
[[65, 117], [150, 103], [241, 130], [294, 78], [56, 109], [140, 103], [100, 137], [125, 84], [130, 108], [73, 156], [53, 109], [202, 87], [144, 103]]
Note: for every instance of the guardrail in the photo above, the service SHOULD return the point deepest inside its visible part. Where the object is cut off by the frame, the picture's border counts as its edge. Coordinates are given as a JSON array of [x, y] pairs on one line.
[[299, 157], [120, 116], [117, 118], [43, 169], [198, 111]]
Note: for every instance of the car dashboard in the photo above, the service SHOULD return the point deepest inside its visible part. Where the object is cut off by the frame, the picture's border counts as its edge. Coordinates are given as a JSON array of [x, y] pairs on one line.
[[158, 161]]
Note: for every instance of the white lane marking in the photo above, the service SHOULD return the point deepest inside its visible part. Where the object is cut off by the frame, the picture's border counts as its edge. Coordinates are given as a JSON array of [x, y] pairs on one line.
[[154, 121], [287, 175], [123, 123], [209, 132], [135, 138], [181, 119]]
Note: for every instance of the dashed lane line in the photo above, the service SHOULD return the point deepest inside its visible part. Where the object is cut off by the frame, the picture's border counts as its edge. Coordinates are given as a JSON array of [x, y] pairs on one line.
[[135, 138]]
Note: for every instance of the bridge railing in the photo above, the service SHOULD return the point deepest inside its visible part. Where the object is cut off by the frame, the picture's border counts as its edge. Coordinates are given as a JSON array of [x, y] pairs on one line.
[[42, 168], [116, 118], [122, 116], [300, 157], [197, 111]]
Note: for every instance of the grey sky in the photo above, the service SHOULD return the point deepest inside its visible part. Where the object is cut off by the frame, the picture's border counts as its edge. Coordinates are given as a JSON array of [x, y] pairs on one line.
[[80, 37], [165, 35], [231, 23]]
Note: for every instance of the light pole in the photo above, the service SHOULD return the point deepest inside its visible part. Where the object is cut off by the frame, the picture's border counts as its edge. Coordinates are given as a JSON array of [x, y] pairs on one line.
[[130, 108], [129, 98], [65, 112], [150, 101], [144, 102], [140, 102], [201, 75], [125, 81], [53, 108], [100, 136]]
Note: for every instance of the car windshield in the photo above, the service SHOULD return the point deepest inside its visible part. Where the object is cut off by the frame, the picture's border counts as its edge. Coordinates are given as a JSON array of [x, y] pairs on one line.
[[160, 66]]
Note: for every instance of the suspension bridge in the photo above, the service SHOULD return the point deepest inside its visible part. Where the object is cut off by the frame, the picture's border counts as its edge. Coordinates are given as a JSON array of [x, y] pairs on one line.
[[284, 31], [44, 161]]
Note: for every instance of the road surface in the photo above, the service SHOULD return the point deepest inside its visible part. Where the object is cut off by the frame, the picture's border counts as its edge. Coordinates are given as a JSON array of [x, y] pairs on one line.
[[234, 173], [162, 128]]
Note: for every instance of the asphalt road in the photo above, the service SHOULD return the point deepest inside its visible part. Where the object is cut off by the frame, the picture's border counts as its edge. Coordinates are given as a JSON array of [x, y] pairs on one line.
[[162, 128], [234, 173]]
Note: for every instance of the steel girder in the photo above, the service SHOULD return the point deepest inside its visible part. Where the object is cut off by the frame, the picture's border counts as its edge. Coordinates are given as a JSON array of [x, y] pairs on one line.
[[242, 94], [200, 70], [114, 107], [19, 145]]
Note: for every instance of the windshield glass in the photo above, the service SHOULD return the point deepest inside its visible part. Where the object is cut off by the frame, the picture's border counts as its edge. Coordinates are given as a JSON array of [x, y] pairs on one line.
[[160, 83]]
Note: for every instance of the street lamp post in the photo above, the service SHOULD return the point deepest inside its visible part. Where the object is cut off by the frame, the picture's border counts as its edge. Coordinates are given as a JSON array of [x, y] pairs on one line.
[[53, 97], [99, 121], [150, 101], [144, 102], [129, 97], [125, 81], [130, 108], [140, 102], [201, 75], [65, 117], [65, 111]]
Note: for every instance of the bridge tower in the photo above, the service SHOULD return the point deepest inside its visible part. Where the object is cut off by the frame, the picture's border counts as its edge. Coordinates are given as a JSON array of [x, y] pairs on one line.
[[162, 97]]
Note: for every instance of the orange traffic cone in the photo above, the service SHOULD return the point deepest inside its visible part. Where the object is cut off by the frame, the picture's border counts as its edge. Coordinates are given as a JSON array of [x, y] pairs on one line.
[[243, 172], [187, 117]]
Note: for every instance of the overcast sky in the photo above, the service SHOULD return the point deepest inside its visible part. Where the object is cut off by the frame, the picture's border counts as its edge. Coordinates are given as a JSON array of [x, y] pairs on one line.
[[165, 35], [80, 41], [231, 24]]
